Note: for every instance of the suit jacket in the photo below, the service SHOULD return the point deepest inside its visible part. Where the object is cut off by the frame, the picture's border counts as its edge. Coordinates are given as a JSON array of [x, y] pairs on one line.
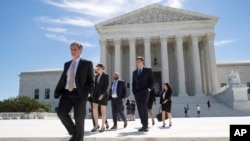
[[102, 86], [143, 81], [120, 89], [166, 97], [84, 79], [152, 96]]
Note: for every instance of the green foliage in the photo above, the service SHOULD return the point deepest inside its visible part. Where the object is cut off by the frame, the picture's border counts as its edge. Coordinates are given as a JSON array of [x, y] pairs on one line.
[[23, 104]]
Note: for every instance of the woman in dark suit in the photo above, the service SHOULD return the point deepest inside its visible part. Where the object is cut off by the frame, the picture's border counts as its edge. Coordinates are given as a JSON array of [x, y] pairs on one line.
[[100, 96], [166, 103]]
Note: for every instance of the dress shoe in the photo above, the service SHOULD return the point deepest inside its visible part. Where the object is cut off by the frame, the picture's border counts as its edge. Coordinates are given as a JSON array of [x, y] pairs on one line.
[[72, 138], [95, 129], [102, 129], [143, 129], [107, 125], [164, 124], [114, 127], [170, 124], [125, 123], [153, 122]]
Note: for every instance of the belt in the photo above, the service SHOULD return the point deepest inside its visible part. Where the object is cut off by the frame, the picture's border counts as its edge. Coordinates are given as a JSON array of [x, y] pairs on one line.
[[114, 98]]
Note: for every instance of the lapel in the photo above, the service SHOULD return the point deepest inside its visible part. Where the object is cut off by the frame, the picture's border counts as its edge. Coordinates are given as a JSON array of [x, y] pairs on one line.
[[78, 67], [101, 77]]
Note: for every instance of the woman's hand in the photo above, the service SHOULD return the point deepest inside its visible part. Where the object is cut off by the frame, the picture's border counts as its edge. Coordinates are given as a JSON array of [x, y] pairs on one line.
[[165, 101], [100, 97]]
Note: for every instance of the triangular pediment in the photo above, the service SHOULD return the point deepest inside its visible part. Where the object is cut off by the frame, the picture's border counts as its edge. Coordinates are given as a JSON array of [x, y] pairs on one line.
[[156, 13]]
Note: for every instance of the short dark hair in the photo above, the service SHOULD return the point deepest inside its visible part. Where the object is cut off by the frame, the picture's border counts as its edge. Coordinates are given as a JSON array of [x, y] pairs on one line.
[[101, 66], [140, 58], [79, 45]]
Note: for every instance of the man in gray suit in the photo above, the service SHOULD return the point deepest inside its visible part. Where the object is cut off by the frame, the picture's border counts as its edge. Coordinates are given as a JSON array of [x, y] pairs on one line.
[[117, 94], [142, 83], [76, 82]]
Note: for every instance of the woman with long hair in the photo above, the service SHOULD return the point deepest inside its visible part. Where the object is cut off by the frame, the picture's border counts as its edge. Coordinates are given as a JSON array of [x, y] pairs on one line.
[[100, 96], [166, 104]]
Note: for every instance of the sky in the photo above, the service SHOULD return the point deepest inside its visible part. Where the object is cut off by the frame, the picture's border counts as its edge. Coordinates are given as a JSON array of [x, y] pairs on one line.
[[36, 34]]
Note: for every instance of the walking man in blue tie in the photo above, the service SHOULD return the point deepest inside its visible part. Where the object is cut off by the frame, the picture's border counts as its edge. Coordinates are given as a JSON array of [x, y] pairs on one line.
[[142, 83]]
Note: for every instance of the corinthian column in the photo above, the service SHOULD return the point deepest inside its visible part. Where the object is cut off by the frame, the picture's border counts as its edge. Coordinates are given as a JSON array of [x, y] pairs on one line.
[[164, 60], [132, 56], [117, 67], [147, 52], [103, 58], [180, 67], [197, 66], [213, 68]]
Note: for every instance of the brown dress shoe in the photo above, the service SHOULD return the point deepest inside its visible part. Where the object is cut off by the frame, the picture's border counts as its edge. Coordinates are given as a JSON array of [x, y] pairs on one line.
[[114, 127], [125, 123]]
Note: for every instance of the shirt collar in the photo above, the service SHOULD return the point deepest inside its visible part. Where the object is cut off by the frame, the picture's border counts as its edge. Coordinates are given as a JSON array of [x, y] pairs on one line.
[[77, 60]]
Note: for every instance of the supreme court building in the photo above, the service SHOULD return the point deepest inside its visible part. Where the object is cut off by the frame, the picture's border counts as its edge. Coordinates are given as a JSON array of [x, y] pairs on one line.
[[177, 44]]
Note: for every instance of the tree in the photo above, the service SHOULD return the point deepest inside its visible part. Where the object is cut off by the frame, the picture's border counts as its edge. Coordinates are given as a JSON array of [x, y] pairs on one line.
[[23, 104]]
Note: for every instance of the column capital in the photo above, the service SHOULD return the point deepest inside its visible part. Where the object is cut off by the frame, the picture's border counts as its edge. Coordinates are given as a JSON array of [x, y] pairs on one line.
[[194, 38], [117, 40], [163, 38], [178, 38], [146, 39], [102, 42], [131, 40], [210, 37]]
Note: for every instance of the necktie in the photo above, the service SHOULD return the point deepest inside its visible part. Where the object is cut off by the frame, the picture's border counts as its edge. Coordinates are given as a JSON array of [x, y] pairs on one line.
[[114, 86], [139, 71], [72, 76]]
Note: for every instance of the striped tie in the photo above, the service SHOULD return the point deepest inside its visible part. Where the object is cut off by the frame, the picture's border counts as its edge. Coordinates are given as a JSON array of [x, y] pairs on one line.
[[72, 76]]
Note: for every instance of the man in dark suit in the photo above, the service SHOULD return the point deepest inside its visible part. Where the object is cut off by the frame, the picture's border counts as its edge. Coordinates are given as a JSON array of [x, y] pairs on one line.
[[117, 94], [75, 83], [142, 83]]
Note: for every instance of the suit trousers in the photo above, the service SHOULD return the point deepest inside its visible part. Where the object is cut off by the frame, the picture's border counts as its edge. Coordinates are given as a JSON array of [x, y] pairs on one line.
[[141, 99], [117, 105], [68, 101]]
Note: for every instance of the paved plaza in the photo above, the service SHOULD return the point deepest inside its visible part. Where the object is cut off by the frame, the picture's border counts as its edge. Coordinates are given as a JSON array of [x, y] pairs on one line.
[[183, 129]]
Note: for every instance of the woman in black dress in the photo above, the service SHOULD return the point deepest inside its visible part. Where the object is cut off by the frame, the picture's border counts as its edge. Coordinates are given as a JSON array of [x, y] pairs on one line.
[[100, 96], [166, 103], [151, 101]]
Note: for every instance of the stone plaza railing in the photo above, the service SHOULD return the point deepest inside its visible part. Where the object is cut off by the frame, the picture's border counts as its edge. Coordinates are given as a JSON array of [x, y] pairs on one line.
[[31, 115]]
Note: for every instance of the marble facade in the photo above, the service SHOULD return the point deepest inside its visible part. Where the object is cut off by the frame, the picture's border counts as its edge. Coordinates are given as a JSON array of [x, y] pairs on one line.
[[177, 44]]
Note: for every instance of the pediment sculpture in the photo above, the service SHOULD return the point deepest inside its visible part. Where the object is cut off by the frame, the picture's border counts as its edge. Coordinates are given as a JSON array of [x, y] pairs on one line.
[[155, 15]]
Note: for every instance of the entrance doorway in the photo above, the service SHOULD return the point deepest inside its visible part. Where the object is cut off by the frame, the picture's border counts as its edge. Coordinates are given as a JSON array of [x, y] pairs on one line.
[[158, 82]]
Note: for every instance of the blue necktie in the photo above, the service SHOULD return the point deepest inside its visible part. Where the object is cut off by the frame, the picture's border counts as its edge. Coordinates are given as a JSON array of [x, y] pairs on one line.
[[139, 71]]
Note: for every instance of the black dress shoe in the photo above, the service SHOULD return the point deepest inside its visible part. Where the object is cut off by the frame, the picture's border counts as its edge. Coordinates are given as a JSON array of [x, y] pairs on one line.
[[95, 129], [143, 129], [102, 129], [72, 138], [107, 125], [163, 125]]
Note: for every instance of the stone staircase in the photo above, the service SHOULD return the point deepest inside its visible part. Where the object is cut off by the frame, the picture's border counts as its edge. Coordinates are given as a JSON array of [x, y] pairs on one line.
[[217, 109]]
